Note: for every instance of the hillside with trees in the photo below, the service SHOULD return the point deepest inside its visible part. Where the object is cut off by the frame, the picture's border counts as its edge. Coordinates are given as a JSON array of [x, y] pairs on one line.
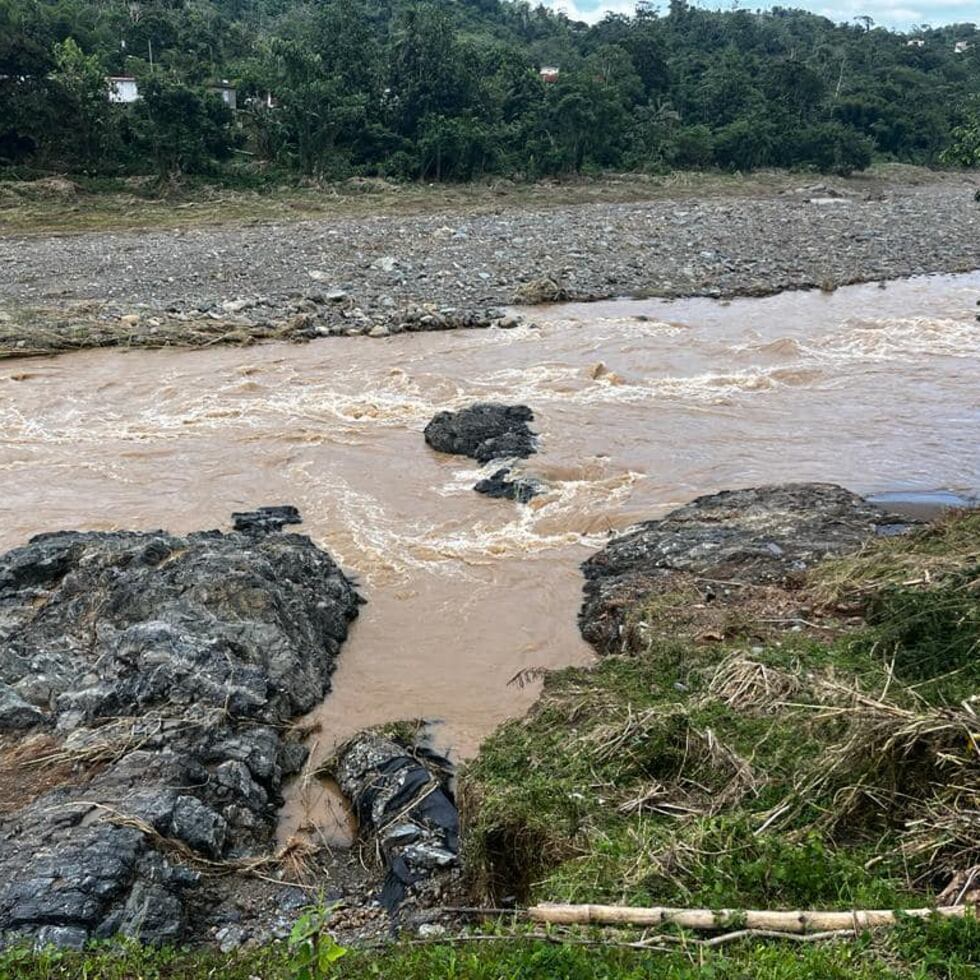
[[452, 89]]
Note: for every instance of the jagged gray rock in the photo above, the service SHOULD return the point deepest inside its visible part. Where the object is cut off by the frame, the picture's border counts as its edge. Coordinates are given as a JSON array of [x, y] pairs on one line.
[[483, 432], [498, 485], [770, 534], [165, 667]]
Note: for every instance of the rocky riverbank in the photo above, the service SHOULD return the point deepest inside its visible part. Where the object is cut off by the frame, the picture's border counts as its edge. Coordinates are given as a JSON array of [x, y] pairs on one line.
[[378, 275], [787, 722], [148, 685], [685, 574], [774, 677]]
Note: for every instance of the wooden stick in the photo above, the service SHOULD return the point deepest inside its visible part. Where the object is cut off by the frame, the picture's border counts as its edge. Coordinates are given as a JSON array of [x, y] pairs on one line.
[[707, 920]]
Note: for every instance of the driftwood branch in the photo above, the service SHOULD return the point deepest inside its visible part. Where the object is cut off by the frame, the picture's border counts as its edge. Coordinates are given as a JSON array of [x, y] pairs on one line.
[[725, 920]]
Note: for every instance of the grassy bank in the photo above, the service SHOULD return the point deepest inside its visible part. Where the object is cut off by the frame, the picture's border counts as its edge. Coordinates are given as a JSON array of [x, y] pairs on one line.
[[69, 205], [830, 764], [832, 767]]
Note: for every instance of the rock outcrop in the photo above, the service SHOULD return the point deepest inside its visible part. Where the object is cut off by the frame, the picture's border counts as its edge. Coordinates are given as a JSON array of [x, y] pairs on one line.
[[499, 485], [402, 799], [146, 682], [764, 536], [483, 432]]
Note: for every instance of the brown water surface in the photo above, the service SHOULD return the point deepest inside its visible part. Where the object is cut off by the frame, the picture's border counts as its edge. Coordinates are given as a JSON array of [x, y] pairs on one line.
[[873, 388]]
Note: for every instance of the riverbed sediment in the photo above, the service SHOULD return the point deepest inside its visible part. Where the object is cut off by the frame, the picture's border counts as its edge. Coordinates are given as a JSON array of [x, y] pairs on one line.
[[379, 274]]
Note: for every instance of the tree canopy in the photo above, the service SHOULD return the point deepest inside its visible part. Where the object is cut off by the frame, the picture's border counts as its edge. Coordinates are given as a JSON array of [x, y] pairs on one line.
[[452, 90]]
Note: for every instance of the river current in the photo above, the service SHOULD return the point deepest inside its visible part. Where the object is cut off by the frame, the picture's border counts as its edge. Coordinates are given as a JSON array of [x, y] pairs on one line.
[[641, 406]]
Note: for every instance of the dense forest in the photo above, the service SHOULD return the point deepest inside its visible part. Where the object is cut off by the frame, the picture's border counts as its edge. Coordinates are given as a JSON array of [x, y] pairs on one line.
[[453, 89]]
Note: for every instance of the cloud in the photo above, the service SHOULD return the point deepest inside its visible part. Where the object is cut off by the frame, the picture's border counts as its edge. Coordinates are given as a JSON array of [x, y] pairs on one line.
[[889, 13]]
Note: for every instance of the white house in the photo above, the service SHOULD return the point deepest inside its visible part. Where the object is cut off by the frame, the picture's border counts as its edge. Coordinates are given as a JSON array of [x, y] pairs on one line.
[[549, 74], [228, 93], [961, 47], [916, 42], [123, 89]]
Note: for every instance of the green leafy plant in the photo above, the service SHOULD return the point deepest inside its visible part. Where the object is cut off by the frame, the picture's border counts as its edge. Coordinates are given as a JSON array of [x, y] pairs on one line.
[[313, 951]]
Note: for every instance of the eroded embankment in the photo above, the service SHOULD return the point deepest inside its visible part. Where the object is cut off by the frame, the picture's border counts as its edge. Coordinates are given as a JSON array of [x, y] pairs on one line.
[[790, 721]]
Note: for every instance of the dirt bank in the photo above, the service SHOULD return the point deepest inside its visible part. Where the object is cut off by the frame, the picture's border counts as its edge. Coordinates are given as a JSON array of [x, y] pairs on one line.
[[388, 272]]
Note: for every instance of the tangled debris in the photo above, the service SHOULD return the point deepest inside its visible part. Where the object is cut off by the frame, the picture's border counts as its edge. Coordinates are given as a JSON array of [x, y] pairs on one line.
[[404, 803]]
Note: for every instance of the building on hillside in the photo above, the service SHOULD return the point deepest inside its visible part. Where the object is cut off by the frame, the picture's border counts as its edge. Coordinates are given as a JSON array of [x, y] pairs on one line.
[[262, 100], [915, 42], [549, 74], [123, 89], [228, 93], [961, 47]]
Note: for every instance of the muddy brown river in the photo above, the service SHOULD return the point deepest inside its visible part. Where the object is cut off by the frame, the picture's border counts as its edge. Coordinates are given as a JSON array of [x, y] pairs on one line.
[[640, 405]]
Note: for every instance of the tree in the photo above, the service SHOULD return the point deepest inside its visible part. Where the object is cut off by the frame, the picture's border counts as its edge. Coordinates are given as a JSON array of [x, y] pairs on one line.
[[964, 146], [833, 148], [182, 129], [85, 130]]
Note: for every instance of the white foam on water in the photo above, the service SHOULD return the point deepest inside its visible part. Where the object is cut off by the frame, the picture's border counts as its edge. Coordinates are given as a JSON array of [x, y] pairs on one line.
[[888, 338]]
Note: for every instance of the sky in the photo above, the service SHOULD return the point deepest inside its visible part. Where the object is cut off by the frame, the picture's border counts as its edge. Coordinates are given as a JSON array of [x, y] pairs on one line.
[[896, 14]]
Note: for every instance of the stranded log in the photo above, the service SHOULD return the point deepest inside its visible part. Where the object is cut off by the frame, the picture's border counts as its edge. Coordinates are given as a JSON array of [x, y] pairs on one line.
[[708, 920]]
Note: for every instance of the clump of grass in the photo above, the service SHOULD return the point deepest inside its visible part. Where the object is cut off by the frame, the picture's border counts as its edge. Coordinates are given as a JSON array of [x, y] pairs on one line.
[[948, 547], [752, 686]]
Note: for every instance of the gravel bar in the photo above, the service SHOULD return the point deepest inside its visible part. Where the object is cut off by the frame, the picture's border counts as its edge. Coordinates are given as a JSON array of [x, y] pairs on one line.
[[383, 274]]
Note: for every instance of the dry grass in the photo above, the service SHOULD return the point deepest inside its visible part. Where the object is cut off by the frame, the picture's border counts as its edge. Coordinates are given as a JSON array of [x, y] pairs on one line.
[[707, 612], [752, 687], [293, 861], [59, 206], [922, 559]]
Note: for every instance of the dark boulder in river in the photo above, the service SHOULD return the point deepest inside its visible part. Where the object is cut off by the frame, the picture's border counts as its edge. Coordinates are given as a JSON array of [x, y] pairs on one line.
[[763, 536], [499, 486], [483, 432], [266, 519], [159, 673]]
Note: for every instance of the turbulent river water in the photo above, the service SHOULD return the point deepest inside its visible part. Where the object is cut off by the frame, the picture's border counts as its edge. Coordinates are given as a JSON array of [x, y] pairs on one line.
[[641, 406]]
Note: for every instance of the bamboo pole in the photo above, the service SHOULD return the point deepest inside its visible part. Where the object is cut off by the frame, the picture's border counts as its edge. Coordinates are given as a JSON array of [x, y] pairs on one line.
[[708, 920]]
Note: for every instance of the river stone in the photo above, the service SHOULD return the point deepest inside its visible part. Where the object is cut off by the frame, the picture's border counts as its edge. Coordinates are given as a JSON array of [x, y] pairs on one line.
[[483, 432], [266, 519], [15, 713], [177, 662], [401, 797], [499, 486], [766, 535]]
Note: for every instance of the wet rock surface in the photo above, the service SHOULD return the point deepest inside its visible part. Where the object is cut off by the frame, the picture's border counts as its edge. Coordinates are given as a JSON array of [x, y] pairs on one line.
[[385, 274], [762, 536], [266, 519], [403, 801], [483, 432], [159, 673], [499, 486]]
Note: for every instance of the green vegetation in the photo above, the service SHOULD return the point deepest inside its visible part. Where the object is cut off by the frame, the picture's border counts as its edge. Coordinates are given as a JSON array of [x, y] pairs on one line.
[[802, 773], [930, 950], [450, 90]]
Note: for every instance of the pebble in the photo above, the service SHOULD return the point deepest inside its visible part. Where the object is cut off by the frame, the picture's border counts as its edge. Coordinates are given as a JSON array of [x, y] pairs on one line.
[[229, 938]]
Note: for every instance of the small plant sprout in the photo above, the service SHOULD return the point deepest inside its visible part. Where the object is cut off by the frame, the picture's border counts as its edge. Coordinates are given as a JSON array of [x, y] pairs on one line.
[[313, 951]]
